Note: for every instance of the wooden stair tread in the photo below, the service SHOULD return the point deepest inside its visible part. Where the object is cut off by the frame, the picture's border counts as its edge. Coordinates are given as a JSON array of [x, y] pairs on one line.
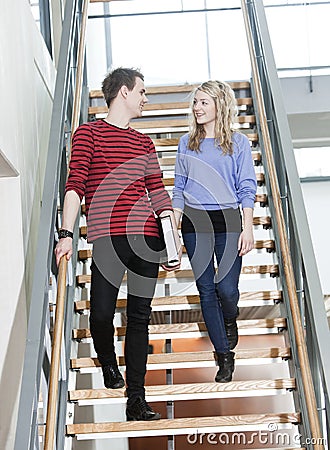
[[83, 333], [83, 254], [235, 85], [262, 269], [165, 108], [170, 160], [103, 109], [185, 301], [269, 244], [264, 221], [191, 357], [169, 392], [162, 109], [171, 142], [271, 269], [170, 181], [261, 198], [139, 124], [181, 425]]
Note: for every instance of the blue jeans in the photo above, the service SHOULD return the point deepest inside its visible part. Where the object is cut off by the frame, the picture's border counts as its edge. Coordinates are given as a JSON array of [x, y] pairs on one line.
[[218, 289]]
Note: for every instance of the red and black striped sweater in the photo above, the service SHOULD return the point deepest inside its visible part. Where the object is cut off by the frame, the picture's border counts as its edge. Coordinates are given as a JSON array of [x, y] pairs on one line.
[[118, 173]]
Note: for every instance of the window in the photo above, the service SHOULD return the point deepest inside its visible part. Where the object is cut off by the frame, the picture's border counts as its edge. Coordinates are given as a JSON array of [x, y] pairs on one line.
[[299, 33], [178, 41], [313, 162]]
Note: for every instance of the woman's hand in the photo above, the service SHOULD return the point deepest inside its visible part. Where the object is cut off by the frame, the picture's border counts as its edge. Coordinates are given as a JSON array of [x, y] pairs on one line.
[[245, 241]]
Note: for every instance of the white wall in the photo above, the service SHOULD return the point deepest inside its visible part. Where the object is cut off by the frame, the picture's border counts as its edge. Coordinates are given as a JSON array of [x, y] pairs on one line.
[[308, 109], [27, 77], [309, 119], [317, 203]]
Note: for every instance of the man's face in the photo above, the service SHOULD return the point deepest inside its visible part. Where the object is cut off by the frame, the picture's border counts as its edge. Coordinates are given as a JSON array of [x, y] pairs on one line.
[[136, 99]]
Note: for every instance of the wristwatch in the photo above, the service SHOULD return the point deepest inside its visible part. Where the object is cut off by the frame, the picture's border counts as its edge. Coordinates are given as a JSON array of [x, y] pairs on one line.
[[64, 234]]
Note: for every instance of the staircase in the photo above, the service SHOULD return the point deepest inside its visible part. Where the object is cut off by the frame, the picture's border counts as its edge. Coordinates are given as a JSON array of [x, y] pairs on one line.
[[258, 408], [274, 401]]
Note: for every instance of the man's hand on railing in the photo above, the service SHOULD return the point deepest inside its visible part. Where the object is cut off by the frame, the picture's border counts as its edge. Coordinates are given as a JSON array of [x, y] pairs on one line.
[[63, 247]]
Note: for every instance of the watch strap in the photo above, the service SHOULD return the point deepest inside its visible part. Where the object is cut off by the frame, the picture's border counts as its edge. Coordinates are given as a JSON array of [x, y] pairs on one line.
[[64, 234]]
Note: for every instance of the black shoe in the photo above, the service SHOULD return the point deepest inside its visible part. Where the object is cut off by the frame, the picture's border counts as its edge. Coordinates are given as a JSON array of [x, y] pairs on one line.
[[231, 332], [112, 377], [138, 409], [226, 363]]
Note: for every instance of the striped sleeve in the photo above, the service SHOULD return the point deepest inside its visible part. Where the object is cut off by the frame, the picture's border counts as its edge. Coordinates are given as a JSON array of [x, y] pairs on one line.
[[81, 157]]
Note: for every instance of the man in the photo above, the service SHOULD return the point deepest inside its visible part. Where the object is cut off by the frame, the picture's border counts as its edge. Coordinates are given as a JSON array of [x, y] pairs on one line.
[[116, 169]]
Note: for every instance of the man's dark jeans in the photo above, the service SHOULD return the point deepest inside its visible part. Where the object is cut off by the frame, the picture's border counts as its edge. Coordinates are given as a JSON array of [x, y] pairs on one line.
[[112, 257]]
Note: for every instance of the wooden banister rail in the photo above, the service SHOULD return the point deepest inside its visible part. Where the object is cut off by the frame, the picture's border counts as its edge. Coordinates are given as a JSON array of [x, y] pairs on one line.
[[61, 286], [56, 354], [307, 383], [80, 68]]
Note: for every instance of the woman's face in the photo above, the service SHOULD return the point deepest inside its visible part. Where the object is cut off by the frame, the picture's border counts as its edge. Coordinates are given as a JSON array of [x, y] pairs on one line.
[[204, 108]]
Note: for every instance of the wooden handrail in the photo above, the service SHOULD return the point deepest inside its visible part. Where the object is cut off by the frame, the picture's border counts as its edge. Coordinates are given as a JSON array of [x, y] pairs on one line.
[[80, 68], [307, 383], [55, 358], [61, 287]]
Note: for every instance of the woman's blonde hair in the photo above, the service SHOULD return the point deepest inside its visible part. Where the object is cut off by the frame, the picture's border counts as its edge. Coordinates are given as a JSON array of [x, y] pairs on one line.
[[226, 110]]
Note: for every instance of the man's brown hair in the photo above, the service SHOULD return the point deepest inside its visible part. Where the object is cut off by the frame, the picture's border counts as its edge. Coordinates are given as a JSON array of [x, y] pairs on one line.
[[117, 78]]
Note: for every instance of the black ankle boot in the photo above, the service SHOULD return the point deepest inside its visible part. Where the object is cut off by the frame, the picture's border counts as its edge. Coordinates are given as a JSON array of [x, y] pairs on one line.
[[226, 364], [138, 409], [231, 332], [112, 377]]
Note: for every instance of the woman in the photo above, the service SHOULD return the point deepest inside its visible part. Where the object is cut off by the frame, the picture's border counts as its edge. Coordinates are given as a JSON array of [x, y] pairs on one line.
[[214, 181]]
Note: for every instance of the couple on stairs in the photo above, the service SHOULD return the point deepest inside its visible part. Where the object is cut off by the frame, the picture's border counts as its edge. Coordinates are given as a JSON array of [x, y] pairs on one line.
[[116, 169]]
